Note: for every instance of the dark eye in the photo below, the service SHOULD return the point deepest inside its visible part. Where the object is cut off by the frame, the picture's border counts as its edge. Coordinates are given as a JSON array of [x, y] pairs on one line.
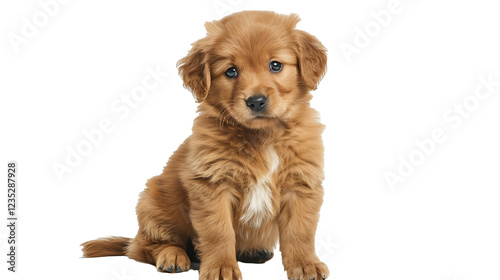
[[275, 66], [232, 72]]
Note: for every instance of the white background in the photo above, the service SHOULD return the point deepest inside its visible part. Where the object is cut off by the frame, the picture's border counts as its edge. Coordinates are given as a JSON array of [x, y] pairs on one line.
[[441, 223]]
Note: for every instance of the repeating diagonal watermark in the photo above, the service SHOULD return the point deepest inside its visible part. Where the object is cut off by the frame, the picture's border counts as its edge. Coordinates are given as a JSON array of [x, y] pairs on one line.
[[363, 36], [122, 275], [451, 278], [326, 246], [225, 7], [453, 117], [121, 107], [32, 25]]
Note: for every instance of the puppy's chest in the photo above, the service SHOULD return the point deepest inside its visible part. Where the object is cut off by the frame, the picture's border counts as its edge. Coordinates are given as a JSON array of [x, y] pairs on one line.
[[257, 206]]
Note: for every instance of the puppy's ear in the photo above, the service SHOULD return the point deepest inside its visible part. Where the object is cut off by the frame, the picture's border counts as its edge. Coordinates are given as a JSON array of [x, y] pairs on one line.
[[311, 55], [195, 71]]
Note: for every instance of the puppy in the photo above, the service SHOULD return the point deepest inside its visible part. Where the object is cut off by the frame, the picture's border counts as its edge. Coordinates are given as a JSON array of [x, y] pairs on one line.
[[251, 173]]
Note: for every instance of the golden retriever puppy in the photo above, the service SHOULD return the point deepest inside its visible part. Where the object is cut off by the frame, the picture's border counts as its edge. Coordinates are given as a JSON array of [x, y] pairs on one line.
[[251, 173]]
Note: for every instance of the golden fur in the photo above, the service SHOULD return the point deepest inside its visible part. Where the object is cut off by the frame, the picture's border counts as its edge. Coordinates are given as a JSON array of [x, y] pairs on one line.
[[242, 180]]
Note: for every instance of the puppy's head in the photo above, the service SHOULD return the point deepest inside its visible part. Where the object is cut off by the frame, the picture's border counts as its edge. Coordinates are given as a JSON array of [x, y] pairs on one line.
[[254, 68]]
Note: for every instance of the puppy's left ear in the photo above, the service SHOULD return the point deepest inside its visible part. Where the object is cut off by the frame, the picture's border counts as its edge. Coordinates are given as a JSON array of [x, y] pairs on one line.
[[195, 71], [311, 55]]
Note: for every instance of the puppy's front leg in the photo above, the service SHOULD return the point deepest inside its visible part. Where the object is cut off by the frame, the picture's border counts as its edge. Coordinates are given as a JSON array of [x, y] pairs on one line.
[[212, 218], [297, 225]]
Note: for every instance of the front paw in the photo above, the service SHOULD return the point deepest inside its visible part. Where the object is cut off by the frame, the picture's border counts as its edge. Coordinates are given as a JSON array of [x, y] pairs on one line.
[[172, 259], [307, 271], [220, 271]]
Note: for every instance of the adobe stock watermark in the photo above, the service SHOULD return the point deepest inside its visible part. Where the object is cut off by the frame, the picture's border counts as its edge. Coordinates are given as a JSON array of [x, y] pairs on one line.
[[31, 26], [326, 246], [226, 7], [122, 275], [364, 35], [121, 107], [453, 117]]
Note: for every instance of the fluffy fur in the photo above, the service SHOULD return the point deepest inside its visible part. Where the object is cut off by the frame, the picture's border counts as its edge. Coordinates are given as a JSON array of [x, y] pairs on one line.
[[243, 179]]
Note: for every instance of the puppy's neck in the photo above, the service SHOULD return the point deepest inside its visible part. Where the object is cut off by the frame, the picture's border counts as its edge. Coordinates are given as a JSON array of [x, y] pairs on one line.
[[253, 136], [236, 135]]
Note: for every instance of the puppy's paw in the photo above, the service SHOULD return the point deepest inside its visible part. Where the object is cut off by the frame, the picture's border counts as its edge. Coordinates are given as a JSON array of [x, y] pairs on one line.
[[172, 259], [220, 272], [307, 271]]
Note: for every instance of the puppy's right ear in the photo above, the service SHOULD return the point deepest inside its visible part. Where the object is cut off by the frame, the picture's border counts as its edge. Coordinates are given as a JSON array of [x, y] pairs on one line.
[[195, 70]]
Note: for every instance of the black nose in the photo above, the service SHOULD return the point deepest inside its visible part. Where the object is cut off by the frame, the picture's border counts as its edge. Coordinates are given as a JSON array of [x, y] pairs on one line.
[[257, 102]]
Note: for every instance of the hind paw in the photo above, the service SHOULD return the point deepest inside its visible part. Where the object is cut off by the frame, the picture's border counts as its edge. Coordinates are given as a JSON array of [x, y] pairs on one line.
[[255, 256]]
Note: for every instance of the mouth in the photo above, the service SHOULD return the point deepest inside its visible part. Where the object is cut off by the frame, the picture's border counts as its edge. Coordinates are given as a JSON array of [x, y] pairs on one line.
[[263, 117], [261, 120]]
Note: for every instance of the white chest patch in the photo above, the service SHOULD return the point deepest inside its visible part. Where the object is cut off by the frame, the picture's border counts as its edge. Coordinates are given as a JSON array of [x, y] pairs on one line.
[[257, 206]]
